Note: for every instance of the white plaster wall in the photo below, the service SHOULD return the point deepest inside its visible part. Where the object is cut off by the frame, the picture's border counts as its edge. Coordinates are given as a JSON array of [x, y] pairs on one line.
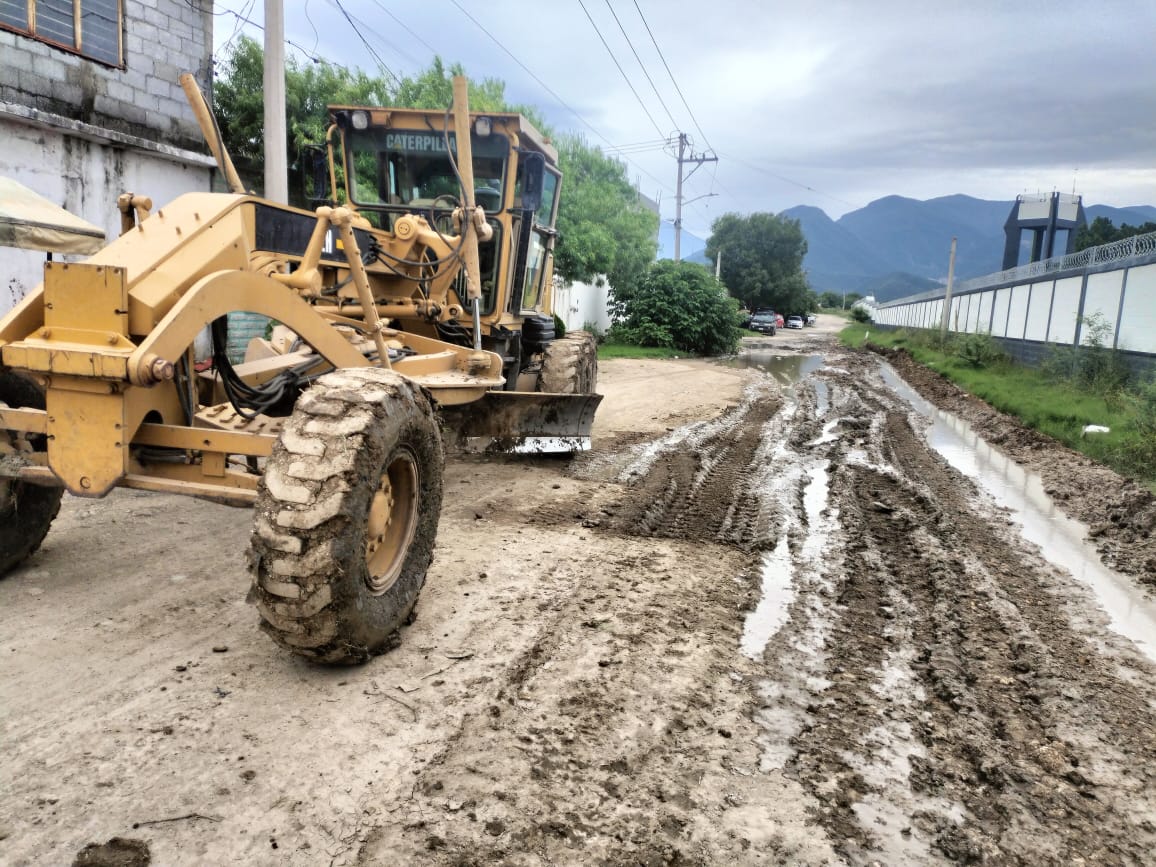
[[1065, 308], [85, 178], [1138, 318], [955, 321], [1017, 317], [999, 321], [1103, 298], [983, 320], [1039, 307], [580, 304]]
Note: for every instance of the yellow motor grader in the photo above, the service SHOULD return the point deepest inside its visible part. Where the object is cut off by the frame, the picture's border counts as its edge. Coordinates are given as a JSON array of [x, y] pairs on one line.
[[421, 303]]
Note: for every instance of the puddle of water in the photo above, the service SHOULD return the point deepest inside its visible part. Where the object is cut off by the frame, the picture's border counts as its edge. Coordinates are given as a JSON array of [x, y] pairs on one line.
[[814, 502], [1060, 538], [777, 593], [828, 435], [786, 369], [822, 398]]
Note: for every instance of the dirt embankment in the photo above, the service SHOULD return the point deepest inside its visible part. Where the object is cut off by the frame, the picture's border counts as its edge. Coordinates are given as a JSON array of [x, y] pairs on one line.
[[760, 623]]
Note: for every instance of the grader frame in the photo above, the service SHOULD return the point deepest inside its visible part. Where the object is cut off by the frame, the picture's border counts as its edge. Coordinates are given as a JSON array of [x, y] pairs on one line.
[[100, 381]]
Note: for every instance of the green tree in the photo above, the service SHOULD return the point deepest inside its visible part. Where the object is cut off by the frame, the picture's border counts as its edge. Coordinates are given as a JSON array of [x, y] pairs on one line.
[[678, 305], [1101, 231], [603, 226], [762, 260], [239, 100], [604, 229]]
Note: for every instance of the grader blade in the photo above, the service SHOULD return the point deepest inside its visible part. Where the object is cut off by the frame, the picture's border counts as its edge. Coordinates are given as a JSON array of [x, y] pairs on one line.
[[523, 422]]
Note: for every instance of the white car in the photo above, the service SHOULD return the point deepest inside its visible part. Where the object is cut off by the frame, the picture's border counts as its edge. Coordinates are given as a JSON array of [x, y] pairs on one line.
[[794, 321]]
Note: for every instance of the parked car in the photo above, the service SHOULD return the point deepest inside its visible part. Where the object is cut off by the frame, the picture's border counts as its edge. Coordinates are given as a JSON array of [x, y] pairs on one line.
[[810, 318], [794, 321], [779, 320], [765, 322]]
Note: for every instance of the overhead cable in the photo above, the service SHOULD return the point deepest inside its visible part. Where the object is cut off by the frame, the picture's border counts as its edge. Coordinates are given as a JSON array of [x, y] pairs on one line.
[[671, 74], [550, 91], [674, 123], [620, 69]]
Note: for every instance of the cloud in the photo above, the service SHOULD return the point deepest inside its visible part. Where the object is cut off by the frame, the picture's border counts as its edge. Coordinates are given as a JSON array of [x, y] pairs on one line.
[[828, 104]]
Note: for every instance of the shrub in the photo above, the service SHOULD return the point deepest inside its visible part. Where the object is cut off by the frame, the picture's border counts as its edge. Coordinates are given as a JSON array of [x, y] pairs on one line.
[[1091, 365], [860, 314], [978, 350], [678, 305]]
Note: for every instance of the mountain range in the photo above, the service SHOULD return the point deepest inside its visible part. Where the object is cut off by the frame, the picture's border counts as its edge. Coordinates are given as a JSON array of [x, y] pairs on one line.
[[897, 246]]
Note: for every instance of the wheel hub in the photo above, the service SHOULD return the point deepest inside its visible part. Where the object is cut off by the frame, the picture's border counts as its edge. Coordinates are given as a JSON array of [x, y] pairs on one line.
[[392, 522]]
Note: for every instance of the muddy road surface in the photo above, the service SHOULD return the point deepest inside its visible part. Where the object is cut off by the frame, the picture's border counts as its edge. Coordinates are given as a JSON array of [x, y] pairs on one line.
[[766, 620]]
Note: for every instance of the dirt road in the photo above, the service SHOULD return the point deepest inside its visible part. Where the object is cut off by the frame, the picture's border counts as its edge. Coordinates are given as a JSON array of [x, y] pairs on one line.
[[761, 623]]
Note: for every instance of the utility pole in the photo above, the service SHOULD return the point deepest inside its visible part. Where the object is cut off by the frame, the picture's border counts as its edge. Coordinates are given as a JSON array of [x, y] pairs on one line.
[[698, 160], [947, 295], [276, 164]]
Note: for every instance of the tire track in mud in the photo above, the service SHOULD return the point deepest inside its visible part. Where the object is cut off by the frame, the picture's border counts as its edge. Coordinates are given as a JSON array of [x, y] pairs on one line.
[[704, 487], [579, 756], [946, 708]]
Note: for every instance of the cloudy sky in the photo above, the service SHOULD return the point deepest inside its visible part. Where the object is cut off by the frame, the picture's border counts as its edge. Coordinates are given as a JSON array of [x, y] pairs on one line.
[[830, 104]]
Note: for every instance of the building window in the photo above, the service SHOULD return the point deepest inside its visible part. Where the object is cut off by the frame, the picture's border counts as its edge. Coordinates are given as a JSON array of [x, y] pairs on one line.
[[91, 28]]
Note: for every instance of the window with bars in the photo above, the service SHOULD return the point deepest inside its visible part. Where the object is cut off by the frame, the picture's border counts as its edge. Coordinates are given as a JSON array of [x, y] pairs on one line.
[[91, 28]]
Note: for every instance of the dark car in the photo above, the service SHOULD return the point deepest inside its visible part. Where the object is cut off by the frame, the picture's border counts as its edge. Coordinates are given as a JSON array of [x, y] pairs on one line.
[[764, 322]]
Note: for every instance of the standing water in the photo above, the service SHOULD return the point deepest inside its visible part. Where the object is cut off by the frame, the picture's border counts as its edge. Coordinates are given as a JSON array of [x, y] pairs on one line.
[[1061, 539]]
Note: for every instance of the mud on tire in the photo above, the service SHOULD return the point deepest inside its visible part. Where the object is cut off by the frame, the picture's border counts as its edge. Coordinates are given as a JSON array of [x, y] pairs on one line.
[[346, 516], [570, 365], [26, 511]]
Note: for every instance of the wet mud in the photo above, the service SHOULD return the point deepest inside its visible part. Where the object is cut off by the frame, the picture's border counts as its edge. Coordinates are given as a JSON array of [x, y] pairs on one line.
[[926, 687], [762, 622]]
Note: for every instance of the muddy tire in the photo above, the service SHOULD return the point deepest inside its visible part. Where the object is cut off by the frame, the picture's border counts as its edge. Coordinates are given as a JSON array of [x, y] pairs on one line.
[[570, 365], [346, 516], [26, 511]]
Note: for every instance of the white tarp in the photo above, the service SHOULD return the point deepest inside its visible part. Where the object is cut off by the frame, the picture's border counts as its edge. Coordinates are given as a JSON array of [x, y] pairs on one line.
[[30, 221]]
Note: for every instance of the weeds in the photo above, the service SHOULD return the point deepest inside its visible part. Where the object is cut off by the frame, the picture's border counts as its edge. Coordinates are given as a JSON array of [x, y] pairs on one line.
[[978, 350], [1092, 364]]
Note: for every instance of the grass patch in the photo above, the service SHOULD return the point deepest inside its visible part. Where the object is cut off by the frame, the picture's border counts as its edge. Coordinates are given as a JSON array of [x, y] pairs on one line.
[[626, 350], [1059, 408]]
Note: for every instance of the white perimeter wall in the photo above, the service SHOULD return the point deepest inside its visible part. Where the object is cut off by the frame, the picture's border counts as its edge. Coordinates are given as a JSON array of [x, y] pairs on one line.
[[582, 304], [1048, 310]]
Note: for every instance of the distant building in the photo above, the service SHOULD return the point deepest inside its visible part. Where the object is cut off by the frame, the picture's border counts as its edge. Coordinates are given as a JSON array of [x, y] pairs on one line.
[[1045, 219], [91, 107]]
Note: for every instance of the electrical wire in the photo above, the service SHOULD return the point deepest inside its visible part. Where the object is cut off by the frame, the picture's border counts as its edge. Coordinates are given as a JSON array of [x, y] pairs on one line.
[[403, 26], [372, 51], [619, 65], [552, 93], [661, 101], [671, 74]]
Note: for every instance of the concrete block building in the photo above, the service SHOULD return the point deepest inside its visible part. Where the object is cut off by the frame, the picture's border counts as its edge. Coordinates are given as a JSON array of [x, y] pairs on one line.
[[91, 107]]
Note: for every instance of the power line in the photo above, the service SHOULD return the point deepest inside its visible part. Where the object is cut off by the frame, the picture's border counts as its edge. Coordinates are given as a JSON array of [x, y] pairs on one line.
[[550, 90], [671, 74], [373, 53], [242, 19], [769, 173], [620, 69], [673, 122], [404, 27]]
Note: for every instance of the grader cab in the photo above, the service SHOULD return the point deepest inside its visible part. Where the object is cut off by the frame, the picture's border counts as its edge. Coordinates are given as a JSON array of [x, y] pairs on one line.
[[421, 304]]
